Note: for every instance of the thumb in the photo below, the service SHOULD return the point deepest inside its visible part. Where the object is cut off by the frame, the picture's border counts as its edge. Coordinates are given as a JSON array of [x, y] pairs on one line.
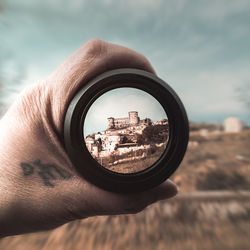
[[90, 200], [134, 203], [166, 190]]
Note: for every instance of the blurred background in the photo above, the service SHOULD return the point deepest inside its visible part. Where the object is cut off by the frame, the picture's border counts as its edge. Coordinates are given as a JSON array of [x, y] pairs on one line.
[[201, 48]]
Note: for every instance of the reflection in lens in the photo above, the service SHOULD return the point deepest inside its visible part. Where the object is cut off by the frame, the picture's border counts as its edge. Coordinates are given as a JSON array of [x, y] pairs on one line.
[[126, 130]]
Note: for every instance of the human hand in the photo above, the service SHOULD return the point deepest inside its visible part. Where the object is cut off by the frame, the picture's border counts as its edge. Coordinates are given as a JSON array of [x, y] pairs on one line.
[[39, 186]]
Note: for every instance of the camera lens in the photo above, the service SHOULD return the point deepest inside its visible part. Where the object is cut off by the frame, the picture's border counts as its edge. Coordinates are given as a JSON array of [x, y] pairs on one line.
[[126, 131]]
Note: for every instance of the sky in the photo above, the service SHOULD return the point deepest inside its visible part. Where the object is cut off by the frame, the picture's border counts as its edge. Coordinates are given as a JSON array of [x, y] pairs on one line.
[[200, 48], [117, 103]]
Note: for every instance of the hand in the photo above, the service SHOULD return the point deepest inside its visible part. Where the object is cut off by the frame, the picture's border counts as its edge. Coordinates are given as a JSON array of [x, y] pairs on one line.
[[39, 187]]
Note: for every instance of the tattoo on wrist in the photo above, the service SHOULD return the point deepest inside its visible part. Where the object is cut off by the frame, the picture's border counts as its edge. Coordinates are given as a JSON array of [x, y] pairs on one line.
[[47, 171]]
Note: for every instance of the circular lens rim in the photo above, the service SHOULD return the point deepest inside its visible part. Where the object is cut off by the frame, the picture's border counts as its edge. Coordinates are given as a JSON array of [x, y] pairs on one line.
[[109, 180]]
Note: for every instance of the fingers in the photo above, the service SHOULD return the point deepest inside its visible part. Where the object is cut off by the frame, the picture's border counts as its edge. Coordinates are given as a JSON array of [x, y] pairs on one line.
[[138, 202], [92, 59], [90, 200], [166, 190]]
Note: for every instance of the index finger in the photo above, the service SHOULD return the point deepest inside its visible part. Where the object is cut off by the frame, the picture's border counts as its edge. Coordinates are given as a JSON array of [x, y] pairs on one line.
[[92, 59]]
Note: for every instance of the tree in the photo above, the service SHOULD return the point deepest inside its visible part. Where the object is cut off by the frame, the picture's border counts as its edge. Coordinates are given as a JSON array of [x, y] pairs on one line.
[[154, 134]]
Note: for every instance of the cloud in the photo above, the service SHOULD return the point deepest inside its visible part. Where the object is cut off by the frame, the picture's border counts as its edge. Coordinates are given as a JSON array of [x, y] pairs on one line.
[[215, 11], [200, 47]]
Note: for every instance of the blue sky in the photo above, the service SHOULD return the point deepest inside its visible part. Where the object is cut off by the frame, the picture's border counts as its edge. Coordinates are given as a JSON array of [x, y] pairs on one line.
[[117, 103], [201, 48]]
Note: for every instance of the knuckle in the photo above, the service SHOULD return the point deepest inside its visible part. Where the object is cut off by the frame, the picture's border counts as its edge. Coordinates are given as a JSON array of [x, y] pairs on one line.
[[95, 47], [28, 96]]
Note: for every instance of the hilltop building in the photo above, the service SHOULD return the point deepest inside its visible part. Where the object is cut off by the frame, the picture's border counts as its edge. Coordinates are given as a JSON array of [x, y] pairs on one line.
[[120, 136], [132, 119]]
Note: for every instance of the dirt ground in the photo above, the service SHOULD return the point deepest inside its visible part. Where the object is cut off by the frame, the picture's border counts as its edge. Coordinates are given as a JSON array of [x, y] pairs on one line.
[[212, 210]]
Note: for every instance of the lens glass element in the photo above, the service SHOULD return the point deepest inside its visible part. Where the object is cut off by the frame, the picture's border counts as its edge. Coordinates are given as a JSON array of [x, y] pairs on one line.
[[126, 130]]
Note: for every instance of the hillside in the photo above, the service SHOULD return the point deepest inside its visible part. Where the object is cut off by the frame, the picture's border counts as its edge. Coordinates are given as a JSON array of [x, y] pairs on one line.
[[216, 161], [213, 206]]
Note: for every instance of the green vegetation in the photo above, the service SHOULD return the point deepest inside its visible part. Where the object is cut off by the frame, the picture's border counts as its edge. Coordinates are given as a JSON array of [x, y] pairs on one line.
[[153, 134]]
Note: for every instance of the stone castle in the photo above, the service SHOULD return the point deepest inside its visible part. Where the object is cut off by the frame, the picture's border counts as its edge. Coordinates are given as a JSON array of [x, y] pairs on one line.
[[120, 136], [131, 120]]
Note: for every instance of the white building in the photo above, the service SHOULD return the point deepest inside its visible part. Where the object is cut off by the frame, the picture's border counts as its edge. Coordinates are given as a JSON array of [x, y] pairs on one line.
[[232, 125], [90, 142], [111, 142]]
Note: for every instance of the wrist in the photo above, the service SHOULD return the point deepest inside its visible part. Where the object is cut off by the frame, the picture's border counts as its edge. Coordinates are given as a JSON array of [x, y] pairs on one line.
[[31, 181], [7, 201]]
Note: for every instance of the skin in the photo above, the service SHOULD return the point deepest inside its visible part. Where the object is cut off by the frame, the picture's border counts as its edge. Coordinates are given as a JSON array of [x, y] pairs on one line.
[[39, 187]]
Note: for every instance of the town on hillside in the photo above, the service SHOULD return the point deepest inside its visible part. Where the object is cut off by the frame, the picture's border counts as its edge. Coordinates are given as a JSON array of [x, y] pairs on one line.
[[127, 140]]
